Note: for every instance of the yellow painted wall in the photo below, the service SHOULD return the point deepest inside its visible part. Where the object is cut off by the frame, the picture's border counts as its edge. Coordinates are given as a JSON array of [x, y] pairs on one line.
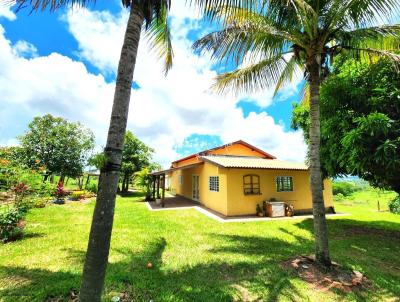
[[216, 201], [231, 201], [300, 197]]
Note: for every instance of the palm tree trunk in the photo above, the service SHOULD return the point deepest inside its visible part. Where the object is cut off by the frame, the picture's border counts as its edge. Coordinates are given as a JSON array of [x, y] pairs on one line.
[[320, 227], [100, 233]]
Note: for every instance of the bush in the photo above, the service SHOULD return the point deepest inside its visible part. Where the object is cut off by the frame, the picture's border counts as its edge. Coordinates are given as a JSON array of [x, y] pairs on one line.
[[92, 187], [11, 224], [344, 188], [394, 205], [77, 195]]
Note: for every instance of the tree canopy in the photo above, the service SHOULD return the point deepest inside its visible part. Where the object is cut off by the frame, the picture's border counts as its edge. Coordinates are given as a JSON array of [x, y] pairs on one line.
[[58, 145], [360, 122], [136, 155]]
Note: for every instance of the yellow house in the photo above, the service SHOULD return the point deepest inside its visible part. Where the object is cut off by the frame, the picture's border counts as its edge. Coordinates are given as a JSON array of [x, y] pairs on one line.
[[232, 179]]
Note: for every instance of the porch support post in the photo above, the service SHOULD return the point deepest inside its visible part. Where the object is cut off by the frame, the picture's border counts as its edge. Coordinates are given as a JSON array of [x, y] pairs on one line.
[[163, 190], [163, 186], [154, 187], [158, 186]]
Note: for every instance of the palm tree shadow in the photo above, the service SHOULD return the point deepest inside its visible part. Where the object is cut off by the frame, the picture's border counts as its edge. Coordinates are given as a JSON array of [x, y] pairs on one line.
[[212, 281], [238, 279]]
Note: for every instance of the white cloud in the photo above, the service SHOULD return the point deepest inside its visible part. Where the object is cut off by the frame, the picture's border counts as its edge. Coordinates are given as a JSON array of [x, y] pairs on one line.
[[163, 111], [6, 12], [52, 84], [166, 110], [24, 49]]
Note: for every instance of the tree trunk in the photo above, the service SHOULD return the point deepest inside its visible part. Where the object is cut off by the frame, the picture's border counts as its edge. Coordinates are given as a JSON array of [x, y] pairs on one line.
[[100, 233], [125, 182], [320, 227]]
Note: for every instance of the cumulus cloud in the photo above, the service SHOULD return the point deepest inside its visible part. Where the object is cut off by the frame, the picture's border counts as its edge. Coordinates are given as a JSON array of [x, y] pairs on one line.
[[163, 112], [24, 49], [6, 12], [51, 84]]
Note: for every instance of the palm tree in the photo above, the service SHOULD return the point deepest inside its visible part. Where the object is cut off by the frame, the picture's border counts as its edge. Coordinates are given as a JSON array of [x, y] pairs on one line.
[[273, 40], [154, 16]]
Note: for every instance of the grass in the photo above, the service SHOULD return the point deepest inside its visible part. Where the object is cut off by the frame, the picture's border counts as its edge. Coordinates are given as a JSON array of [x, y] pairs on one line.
[[196, 258]]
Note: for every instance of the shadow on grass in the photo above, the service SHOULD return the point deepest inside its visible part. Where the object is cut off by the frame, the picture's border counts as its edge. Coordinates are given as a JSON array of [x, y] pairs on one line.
[[371, 247], [131, 194], [212, 281], [259, 278]]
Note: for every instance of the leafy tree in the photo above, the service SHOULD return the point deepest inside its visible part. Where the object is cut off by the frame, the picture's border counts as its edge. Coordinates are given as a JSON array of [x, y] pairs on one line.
[[135, 156], [363, 136], [60, 146], [97, 160], [273, 40]]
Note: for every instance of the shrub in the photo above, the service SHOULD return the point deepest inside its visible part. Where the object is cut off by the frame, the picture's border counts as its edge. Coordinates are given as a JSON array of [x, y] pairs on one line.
[[11, 224], [394, 205], [92, 187], [77, 195], [344, 188]]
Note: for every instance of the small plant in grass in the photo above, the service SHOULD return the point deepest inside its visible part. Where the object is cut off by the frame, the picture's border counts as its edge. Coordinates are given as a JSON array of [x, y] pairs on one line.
[[60, 193], [11, 223], [394, 205]]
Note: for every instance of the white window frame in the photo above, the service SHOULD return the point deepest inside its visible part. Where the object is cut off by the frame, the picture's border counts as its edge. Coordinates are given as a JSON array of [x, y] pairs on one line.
[[277, 184], [213, 183], [180, 179]]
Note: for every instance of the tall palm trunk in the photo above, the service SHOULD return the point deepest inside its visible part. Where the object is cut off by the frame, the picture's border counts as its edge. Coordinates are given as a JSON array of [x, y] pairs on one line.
[[320, 228], [100, 233]]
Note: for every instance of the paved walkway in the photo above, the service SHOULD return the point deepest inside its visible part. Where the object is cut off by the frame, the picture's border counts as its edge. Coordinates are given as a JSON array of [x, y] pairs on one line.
[[183, 203]]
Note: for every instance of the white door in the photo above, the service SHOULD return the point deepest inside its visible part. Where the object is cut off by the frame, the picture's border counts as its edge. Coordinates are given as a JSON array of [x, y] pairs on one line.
[[195, 187]]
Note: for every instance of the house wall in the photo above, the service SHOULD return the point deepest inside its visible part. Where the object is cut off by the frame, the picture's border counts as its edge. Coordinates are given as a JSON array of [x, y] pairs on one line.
[[216, 201], [300, 197]]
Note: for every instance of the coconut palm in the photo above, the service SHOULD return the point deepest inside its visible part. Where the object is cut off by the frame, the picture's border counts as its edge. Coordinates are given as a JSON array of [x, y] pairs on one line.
[[154, 16], [271, 42]]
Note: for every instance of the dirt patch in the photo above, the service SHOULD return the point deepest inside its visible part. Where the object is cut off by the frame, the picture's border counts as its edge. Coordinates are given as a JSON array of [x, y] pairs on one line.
[[335, 278], [367, 231], [6, 197]]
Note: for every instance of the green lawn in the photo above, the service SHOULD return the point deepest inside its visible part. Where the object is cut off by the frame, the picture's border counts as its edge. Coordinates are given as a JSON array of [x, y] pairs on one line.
[[196, 258]]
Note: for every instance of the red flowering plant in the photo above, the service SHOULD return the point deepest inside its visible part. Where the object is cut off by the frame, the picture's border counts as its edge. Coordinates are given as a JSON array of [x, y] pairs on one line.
[[60, 193], [20, 190]]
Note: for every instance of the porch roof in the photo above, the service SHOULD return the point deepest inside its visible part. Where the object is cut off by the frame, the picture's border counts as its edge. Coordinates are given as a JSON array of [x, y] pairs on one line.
[[252, 163], [175, 169]]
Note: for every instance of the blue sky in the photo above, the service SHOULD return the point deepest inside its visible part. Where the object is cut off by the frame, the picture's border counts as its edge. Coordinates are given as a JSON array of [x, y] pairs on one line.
[[64, 63]]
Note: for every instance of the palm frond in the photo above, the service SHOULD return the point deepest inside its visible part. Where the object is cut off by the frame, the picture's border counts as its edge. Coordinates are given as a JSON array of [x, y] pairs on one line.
[[372, 54], [52, 5], [385, 37], [305, 94], [159, 36], [234, 43], [251, 78], [227, 7], [355, 14], [247, 32], [286, 76]]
